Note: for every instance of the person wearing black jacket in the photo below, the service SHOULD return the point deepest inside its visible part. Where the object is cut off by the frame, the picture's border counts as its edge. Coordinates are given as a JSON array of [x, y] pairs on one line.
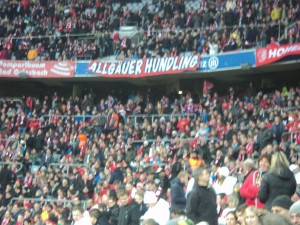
[[116, 175], [6, 176], [278, 181], [264, 136], [113, 210], [202, 203], [129, 213], [98, 217], [178, 200]]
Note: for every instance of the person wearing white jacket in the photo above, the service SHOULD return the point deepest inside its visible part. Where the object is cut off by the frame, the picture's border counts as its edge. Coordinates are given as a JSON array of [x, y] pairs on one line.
[[224, 183], [213, 48], [158, 210]]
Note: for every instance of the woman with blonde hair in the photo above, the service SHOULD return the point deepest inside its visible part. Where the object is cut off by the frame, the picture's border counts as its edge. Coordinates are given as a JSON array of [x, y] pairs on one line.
[[251, 216], [278, 181]]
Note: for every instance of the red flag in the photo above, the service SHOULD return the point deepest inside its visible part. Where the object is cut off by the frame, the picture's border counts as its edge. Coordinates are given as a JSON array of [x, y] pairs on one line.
[[207, 85]]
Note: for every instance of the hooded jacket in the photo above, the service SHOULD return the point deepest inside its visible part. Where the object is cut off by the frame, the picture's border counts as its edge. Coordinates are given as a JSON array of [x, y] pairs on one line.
[[273, 185]]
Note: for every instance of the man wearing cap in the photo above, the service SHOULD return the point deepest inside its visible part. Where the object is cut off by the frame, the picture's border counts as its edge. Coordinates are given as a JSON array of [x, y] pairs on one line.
[[281, 204], [295, 213]]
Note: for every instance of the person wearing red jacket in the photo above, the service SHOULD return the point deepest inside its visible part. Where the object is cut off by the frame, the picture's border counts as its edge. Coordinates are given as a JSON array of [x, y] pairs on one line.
[[182, 123], [250, 187], [34, 123]]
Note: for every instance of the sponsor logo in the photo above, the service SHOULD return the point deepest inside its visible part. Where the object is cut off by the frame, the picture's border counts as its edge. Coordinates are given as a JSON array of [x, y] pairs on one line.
[[262, 55], [273, 53], [62, 69], [213, 63], [279, 52], [28, 69]]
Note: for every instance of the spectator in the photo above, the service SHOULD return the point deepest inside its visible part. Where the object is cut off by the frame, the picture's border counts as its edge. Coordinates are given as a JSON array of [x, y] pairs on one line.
[[295, 213], [278, 181], [178, 200], [201, 203], [224, 183], [251, 216], [32, 53], [52, 220], [251, 185], [231, 219], [281, 205], [78, 217], [158, 210], [264, 136], [129, 210]]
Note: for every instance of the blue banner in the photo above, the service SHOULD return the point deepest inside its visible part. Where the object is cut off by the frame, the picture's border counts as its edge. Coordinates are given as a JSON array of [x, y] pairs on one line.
[[81, 69], [227, 61]]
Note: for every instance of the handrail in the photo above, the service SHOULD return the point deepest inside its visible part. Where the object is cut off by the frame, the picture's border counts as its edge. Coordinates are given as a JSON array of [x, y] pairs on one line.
[[68, 165], [169, 140], [283, 109], [65, 202], [7, 99], [13, 163], [289, 27], [135, 116]]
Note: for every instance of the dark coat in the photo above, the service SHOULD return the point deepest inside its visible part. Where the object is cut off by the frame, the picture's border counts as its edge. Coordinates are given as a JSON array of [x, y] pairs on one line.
[[202, 205], [116, 175], [129, 214], [178, 200], [264, 137], [5, 178], [273, 186], [102, 220], [114, 214]]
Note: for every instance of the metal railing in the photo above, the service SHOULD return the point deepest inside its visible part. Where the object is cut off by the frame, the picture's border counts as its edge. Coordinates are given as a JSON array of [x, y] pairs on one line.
[[283, 109], [168, 117], [169, 140], [51, 200], [286, 30], [66, 166], [17, 164]]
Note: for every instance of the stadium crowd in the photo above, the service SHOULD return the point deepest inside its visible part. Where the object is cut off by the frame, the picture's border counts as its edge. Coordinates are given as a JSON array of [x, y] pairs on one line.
[[178, 159], [61, 30]]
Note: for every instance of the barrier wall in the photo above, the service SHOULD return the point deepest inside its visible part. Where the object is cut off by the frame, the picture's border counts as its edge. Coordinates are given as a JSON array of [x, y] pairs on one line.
[[151, 66]]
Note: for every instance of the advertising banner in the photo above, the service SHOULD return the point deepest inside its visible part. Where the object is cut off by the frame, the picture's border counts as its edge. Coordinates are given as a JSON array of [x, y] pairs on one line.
[[139, 68], [273, 53], [33, 69], [227, 61]]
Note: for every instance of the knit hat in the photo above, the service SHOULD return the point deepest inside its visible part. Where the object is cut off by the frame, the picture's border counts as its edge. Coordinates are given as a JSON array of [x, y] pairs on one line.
[[283, 201], [295, 208]]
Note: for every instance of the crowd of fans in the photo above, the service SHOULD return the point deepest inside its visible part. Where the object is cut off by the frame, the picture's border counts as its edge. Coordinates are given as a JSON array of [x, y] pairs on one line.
[[150, 160], [60, 30]]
